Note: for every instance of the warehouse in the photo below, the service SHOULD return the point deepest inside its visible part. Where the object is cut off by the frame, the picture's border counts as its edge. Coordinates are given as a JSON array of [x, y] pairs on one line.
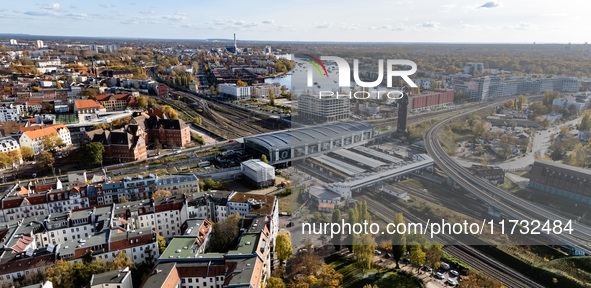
[[561, 180], [285, 146], [374, 154], [258, 173]]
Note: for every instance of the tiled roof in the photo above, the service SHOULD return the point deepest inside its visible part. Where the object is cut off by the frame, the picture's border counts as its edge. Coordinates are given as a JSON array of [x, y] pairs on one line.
[[83, 104]]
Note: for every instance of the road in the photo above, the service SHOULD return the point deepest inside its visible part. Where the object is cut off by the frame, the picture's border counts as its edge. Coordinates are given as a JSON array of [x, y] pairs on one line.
[[511, 205]]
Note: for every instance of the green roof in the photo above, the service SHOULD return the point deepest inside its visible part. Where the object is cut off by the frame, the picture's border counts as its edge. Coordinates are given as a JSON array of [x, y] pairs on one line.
[[247, 245], [181, 248]]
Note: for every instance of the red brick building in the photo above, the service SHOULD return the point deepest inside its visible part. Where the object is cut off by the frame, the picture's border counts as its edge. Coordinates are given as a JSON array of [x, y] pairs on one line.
[[123, 145], [431, 99]]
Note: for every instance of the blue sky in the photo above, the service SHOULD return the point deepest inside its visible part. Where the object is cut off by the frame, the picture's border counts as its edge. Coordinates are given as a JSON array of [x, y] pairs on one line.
[[373, 21]]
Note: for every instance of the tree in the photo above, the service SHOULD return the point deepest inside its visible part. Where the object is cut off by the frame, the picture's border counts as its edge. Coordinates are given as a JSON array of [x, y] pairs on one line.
[[161, 194], [336, 240], [5, 160], [479, 280], [172, 114], [283, 246], [83, 271], [364, 248], [275, 282], [123, 200], [329, 277], [585, 121], [52, 141], [521, 100], [88, 92], [264, 158], [433, 255], [47, 159], [416, 256], [225, 233], [58, 85], [14, 155], [61, 274], [197, 120], [564, 130], [398, 240], [142, 102], [198, 138], [92, 153], [271, 97], [241, 83], [121, 261], [161, 243], [27, 152]]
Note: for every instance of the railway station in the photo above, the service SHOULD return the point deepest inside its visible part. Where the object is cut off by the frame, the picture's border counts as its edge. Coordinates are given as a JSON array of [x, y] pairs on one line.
[[285, 146]]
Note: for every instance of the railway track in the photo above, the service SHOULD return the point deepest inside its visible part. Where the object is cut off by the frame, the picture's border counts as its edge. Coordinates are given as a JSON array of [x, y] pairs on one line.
[[470, 256]]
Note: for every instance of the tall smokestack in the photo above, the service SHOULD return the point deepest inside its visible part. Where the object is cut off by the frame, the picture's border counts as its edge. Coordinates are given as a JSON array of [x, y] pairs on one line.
[[235, 40]]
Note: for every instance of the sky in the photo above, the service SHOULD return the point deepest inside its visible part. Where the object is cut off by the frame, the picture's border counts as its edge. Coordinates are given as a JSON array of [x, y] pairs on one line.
[[503, 21]]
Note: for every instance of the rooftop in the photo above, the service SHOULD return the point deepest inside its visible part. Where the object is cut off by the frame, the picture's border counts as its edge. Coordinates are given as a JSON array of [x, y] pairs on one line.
[[111, 277], [302, 136]]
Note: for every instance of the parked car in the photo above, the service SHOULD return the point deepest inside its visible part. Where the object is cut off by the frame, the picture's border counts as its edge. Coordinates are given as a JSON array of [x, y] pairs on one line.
[[427, 268], [378, 252], [444, 266], [439, 275], [450, 282], [454, 273]]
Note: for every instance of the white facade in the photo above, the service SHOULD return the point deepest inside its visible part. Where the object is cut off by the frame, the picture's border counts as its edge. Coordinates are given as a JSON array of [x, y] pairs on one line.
[[8, 144], [9, 114], [258, 171], [235, 92]]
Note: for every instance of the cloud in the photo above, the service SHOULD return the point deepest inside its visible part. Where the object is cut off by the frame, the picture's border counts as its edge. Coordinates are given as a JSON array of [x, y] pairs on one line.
[[52, 6], [107, 5], [520, 26], [177, 17], [324, 25], [447, 7], [430, 24], [270, 21], [77, 15], [148, 12], [37, 13], [490, 4], [349, 27]]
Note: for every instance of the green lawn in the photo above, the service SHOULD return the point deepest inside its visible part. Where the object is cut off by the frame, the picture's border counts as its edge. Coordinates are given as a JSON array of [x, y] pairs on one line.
[[354, 277]]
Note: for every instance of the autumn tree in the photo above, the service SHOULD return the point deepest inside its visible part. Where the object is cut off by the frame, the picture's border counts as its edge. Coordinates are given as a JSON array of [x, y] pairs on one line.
[[47, 159], [275, 282], [264, 158], [14, 155], [5, 160], [161, 243], [398, 240], [433, 255], [142, 102], [479, 280], [61, 274], [241, 83], [161, 194], [364, 248], [52, 141], [416, 256], [121, 261], [27, 152], [283, 246], [271, 97], [172, 114]]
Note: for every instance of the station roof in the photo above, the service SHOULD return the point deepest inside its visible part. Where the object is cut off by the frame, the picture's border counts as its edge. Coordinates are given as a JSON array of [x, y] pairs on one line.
[[345, 168], [376, 154], [358, 158], [303, 136]]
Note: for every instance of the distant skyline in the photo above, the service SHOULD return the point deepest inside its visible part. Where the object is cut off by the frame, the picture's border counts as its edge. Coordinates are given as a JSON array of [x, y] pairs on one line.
[[469, 21]]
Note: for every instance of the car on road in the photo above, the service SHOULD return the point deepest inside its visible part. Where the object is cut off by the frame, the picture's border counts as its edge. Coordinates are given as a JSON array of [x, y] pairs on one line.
[[388, 255], [439, 275], [426, 268], [378, 252], [450, 282], [454, 273]]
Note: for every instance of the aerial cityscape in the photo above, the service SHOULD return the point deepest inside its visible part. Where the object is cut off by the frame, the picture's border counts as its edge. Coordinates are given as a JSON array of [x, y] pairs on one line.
[[189, 145]]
